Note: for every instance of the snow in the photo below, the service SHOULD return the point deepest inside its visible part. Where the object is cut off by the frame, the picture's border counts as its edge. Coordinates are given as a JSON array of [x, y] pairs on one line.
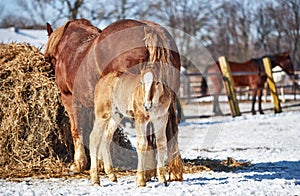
[[37, 38], [270, 142]]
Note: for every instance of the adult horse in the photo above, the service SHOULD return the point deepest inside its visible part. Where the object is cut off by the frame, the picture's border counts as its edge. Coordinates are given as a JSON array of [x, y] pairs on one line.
[[122, 46], [252, 75], [146, 98]]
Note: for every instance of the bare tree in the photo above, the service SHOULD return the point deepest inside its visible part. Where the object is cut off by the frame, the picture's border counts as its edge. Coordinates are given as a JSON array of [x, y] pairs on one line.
[[231, 27], [187, 19], [264, 24], [1, 8], [41, 11], [290, 15]]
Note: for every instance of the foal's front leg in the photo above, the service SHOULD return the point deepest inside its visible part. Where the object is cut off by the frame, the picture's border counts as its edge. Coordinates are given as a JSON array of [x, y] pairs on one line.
[[161, 143], [95, 143], [141, 151], [108, 134]]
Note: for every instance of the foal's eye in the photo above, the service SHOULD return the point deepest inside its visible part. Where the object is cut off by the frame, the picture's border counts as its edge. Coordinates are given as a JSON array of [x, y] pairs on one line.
[[157, 83]]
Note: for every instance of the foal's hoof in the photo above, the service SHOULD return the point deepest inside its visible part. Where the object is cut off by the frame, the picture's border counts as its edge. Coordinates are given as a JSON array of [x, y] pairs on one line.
[[112, 177], [140, 180], [95, 184], [141, 184], [162, 180]]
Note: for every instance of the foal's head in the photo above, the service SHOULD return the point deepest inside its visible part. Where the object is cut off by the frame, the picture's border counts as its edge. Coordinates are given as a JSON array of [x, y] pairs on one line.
[[152, 87]]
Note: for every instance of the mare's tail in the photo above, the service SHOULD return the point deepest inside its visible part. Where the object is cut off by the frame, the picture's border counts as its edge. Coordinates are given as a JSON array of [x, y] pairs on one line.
[[158, 43]]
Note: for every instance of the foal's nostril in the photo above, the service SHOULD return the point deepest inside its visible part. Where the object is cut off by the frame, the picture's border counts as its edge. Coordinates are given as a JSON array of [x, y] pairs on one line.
[[147, 106]]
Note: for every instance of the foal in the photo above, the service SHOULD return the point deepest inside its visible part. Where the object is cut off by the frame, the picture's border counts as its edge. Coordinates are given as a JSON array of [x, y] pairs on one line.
[[143, 97]]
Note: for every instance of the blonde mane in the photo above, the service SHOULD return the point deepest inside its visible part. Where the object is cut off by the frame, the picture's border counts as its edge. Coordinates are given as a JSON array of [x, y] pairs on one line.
[[58, 33], [159, 51]]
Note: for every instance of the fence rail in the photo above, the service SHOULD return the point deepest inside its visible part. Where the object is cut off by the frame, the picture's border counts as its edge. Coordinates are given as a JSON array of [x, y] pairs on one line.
[[191, 90]]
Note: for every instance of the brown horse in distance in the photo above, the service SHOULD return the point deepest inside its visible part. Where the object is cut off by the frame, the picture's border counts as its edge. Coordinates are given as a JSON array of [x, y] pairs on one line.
[[252, 74], [121, 46]]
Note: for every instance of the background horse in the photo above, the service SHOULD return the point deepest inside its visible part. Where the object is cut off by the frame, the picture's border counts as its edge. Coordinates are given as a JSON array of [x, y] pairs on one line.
[[255, 78], [123, 45], [143, 97]]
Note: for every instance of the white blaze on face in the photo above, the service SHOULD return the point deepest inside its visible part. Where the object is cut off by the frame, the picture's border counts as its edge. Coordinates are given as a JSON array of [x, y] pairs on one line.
[[148, 80]]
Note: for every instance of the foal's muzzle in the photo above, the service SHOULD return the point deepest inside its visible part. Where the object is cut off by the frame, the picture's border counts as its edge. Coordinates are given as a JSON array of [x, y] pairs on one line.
[[147, 105]]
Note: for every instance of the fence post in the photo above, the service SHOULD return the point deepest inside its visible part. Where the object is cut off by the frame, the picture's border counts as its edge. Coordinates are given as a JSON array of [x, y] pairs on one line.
[[272, 86], [233, 102]]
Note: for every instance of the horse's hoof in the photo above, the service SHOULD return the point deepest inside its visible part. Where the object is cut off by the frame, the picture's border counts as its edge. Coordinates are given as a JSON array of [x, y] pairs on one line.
[[175, 177], [112, 177], [140, 180], [141, 184], [163, 181], [78, 167], [166, 184], [74, 169], [95, 184]]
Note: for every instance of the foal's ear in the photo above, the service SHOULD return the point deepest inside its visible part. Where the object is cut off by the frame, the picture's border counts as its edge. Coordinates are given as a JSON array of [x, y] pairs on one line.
[[49, 29]]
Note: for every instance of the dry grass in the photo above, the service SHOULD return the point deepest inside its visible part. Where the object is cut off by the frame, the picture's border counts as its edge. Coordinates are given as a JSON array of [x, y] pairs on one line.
[[34, 134]]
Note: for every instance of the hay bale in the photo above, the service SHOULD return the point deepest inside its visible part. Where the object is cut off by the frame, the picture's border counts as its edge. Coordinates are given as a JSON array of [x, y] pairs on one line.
[[35, 136], [34, 127]]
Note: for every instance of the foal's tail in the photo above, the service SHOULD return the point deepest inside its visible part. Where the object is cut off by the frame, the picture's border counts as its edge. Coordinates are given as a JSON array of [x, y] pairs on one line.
[[160, 46]]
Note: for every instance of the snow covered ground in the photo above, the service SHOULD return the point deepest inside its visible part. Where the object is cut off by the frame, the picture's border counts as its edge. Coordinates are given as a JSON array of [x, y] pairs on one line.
[[271, 142]]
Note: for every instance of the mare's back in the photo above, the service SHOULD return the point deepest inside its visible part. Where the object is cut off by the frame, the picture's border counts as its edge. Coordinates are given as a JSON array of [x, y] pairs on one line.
[[73, 75], [75, 44]]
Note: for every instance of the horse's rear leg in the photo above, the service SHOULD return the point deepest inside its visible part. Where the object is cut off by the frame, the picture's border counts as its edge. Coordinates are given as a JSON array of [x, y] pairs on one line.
[[253, 101], [174, 158], [161, 143], [282, 94], [260, 94], [108, 134], [80, 159], [216, 106], [95, 143]]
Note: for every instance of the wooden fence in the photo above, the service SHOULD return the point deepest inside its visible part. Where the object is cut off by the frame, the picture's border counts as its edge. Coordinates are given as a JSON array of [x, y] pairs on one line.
[[191, 90]]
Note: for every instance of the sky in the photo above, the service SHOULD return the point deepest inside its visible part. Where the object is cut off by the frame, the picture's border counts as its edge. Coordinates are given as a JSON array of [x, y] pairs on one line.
[[9, 6]]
